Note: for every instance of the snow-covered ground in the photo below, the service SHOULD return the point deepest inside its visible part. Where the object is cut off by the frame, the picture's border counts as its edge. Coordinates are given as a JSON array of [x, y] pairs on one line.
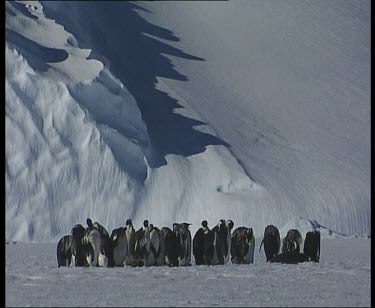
[[342, 278]]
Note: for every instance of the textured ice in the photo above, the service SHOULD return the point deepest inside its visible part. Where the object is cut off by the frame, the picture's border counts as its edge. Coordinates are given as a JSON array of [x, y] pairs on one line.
[[184, 111]]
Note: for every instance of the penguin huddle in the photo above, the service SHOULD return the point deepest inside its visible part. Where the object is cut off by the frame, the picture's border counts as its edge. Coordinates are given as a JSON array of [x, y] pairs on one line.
[[291, 244], [153, 246], [218, 245], [147, 246]]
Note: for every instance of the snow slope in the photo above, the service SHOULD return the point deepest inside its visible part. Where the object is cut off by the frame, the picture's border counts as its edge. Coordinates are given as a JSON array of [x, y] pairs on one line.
[[341, 279], [256, 111], [287, 86], [75, 138]]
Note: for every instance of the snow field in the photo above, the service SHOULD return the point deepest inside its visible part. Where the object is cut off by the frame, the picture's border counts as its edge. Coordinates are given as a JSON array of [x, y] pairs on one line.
[[342, 278]]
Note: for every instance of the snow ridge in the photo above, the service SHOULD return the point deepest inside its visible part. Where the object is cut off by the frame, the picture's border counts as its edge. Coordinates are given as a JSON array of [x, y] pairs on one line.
[[112, 115], [75, 139]]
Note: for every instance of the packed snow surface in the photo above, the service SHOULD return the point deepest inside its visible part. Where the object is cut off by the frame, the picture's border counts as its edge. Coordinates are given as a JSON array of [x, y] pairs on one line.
[[342, 278], [255, 111]]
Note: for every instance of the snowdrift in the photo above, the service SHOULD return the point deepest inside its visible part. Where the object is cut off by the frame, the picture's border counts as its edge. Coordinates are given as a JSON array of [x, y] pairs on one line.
[[184, 111]]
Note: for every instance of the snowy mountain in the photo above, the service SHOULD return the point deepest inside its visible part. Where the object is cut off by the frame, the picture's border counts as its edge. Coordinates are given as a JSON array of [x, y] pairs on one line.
[[255, 111]]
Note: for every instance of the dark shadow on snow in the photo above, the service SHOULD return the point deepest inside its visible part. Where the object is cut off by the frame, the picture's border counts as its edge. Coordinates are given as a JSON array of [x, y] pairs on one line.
[[37, 56], [23, 9], [131, 47]]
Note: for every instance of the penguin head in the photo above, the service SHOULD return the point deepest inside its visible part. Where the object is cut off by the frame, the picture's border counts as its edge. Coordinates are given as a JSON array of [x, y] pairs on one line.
[[145, 223], [230, 224], [204, 224], [128, 222], [96, 225], [221, 224], [89, 222]]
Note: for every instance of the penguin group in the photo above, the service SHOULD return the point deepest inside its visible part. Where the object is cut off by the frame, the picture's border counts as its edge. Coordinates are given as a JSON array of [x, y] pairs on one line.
[[147, 246], [153, 246], [291, 251]]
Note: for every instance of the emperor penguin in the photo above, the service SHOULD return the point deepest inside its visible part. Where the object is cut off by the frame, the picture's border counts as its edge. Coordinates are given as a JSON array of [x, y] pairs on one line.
[[249, 258], [64, 251], [172, 247], [198, 243], [130, 237], [156, 255], [229, 224], [182, 230], [243, 244], [92, 239], [119, 246], [311, 247], [146, 242]]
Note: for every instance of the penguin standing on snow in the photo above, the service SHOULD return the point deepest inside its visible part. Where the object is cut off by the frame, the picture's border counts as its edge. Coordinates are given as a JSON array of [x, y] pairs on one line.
[[204, 246], [119, 246], [172, 247], [221, 242], [91, 242], [141, 245], [130, 237], [64, 251], [271, 241], [146, 243], [243, 244], [105, 254], [157, 247], [230, 224], [311, 247], [198, 244], [78, 249], [183, 232]]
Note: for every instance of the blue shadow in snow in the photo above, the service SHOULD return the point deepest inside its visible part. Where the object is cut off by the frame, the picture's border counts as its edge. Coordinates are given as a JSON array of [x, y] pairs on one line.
[[37, 55], [130, 45], [22, 8]]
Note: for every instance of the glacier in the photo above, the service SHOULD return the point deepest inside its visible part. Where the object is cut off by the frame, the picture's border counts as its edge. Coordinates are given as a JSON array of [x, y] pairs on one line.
[[254, 111]]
